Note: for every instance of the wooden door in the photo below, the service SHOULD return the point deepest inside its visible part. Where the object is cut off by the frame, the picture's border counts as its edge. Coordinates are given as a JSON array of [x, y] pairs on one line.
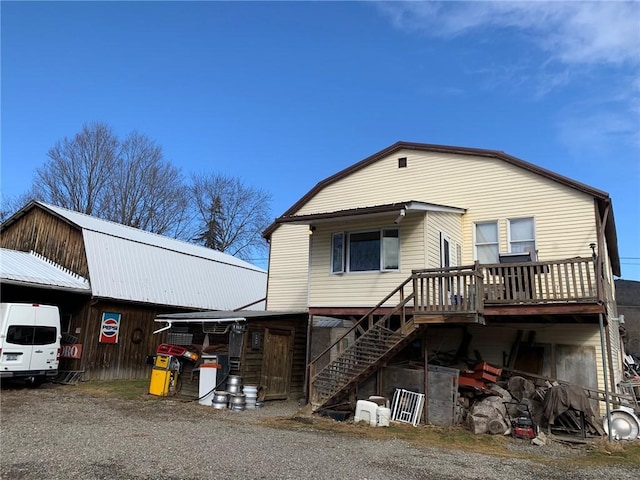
[[277, 361]]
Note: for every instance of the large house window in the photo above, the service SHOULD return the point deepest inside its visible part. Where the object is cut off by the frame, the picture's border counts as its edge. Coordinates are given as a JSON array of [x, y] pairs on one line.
[[522, 237], [487, 245], [365, 251]]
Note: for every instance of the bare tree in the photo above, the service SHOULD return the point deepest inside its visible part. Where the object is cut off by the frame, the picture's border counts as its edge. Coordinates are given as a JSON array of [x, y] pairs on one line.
[[230, 215], [128, 182], [11, 204], [147, 192], [79, 169]]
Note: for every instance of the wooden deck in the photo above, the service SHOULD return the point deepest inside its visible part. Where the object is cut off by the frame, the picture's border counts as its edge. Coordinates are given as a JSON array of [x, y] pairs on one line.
[[454, 295], [470, 290]]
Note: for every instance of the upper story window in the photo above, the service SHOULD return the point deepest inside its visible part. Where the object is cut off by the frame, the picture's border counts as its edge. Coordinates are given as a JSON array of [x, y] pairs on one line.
[[486, 242], [522, 237], [365, 251]]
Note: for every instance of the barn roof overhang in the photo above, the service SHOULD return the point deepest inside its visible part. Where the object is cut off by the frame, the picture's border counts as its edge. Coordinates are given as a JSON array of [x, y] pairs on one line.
[[30, 269]]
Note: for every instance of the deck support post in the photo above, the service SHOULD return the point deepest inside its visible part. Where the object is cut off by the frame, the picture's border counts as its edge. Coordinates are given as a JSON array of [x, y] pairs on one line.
[[426, 375]]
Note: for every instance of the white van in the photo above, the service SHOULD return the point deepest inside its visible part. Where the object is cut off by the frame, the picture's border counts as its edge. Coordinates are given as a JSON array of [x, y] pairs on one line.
[[29, 341]]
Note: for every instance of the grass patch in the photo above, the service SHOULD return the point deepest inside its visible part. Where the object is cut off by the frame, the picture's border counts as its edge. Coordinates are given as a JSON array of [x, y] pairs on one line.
[[618, 453], [457, 438], [124, 389], [602, 453]]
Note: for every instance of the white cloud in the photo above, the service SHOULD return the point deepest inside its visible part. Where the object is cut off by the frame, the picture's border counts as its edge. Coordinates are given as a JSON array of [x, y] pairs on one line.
[[592, 45], [569, 32]]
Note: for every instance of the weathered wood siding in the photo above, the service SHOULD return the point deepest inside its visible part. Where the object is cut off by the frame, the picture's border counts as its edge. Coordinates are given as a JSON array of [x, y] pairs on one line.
[[288, 268], [47, 235], [127, 358], [253, 355]]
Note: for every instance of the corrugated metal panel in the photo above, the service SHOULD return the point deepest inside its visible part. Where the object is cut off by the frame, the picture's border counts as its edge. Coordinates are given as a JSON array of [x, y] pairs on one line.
[[87, 222], [35, 269], [142, 272]]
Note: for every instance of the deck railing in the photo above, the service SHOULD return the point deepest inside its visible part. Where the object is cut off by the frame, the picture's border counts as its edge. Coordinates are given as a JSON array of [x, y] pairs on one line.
[[568, 280], [451, 290], [466, 289]]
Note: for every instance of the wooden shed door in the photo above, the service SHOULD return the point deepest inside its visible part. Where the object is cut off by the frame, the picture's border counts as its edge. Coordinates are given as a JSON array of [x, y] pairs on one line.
[[276, 363]]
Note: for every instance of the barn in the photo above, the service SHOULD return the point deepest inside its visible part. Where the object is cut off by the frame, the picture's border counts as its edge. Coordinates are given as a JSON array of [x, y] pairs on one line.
[[111, 281]]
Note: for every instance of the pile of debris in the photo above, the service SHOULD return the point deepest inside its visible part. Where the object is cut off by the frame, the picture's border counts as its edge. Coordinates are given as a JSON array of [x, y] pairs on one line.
[[518, 407]]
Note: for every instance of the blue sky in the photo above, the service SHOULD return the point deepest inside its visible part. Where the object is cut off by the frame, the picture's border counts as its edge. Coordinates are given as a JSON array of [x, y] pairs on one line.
[[284, 94]]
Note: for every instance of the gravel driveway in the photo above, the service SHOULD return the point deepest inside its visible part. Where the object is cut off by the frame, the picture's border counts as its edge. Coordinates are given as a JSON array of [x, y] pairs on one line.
[[59, 432]]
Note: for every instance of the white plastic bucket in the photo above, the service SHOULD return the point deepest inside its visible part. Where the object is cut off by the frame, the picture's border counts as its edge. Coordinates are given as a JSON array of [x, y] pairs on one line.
[[383, 416]]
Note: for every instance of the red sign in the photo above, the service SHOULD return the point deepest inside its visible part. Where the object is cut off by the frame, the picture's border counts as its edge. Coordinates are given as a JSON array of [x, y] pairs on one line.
[[71, 351], [110, 327]]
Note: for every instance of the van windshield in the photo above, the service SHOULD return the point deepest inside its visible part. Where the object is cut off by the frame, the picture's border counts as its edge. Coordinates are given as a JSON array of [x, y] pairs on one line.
[[29, 335]]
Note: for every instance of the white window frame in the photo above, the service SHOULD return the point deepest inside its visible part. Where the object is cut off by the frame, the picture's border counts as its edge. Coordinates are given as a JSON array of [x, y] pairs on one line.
[[476, 244], [446, 251], [345, 251], [532, 250], [343, 237]]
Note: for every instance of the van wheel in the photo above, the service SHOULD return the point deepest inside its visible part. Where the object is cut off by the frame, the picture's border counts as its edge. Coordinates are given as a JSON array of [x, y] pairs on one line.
[[33, 382]]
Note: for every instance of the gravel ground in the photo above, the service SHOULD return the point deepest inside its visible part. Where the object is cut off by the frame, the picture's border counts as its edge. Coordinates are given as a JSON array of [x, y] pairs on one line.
[[59, 432]]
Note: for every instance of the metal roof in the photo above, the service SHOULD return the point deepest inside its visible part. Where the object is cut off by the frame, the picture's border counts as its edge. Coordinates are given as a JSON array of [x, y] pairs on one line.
[[226, 316], [128, 270], [30, 268], [89, 223], [126, 263]]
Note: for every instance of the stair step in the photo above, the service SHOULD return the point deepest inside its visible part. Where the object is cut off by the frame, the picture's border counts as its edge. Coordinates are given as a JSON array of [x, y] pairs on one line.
[[360, 359], [377, 341], [362, 354]]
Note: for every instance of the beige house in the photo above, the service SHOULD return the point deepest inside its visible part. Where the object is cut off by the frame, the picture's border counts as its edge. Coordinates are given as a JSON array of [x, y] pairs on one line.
[[509, 260]]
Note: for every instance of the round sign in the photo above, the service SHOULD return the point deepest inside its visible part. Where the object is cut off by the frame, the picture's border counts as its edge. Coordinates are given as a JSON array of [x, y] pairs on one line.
[[110, 327]]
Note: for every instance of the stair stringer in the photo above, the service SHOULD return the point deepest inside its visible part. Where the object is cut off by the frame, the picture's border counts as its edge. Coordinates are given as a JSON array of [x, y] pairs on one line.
[[345, 387]]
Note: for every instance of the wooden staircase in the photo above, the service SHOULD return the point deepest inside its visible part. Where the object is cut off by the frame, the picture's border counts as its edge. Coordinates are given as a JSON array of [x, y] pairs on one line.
[[370, 343], [375, 341], [358, 361]]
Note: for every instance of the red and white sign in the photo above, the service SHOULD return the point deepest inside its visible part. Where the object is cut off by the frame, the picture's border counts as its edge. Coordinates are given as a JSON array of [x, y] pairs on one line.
[[110, 327], [71, 351]]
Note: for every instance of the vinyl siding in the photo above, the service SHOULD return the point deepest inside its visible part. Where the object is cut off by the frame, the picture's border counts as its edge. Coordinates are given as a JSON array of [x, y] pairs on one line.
[[357, 289], [288, 268], [437, 223], [490, 189]]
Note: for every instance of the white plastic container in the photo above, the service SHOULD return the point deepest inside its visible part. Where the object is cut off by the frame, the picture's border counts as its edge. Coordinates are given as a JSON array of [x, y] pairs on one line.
[[366, 412], [251, 394], [383, 416]]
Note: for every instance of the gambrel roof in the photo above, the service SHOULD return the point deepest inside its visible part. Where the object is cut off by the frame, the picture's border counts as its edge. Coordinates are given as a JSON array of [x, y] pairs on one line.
[[601, 198], [129, 264]]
